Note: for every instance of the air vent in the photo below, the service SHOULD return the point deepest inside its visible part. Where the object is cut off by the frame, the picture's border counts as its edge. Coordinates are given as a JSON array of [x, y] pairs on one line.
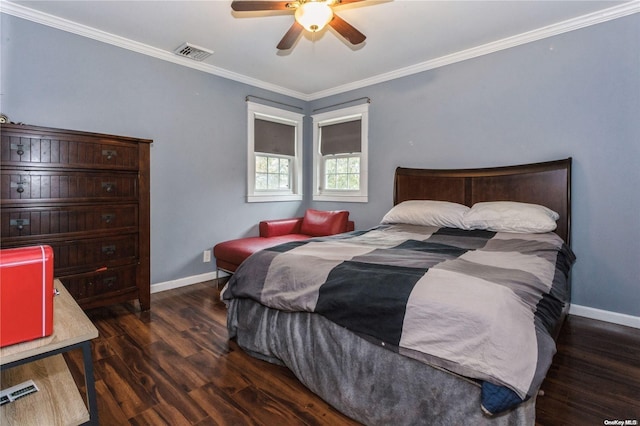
[[193, 52]]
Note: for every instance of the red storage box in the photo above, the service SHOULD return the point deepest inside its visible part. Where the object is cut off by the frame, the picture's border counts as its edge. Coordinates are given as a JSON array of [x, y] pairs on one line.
[[26, 294]]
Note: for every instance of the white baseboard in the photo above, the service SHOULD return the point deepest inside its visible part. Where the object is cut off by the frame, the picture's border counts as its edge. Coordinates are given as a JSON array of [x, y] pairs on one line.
[[181, 282], [581, 311], [608, 316]]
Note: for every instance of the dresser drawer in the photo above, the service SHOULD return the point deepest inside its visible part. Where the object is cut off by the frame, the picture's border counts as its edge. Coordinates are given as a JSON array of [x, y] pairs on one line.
[[51, 151], [43, 186], [22, 223], [85, 255], [83, 287]]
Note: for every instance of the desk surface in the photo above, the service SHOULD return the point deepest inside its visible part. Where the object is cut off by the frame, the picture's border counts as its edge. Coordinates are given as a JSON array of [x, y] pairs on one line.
[[70, 326]]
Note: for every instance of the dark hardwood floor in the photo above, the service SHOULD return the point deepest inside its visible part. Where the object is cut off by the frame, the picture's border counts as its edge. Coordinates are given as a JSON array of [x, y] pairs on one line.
[[174, 366]]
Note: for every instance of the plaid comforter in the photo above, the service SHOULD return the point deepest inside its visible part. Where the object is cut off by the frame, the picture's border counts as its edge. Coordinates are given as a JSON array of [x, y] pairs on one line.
[[481, 304]]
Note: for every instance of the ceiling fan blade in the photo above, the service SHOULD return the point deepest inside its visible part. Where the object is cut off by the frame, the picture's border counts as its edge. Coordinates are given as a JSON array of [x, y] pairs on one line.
[[291, 36], [339, 2], [347, 30], [249, 5]]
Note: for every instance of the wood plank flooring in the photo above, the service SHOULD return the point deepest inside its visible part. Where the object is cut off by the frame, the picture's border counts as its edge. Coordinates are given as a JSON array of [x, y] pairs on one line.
[[174, 366]]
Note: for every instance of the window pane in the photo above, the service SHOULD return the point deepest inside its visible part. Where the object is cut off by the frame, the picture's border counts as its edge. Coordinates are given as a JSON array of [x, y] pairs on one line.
[[284, 181], [343, 165], [273, 181], [273, 165], [261, 181], [354, 181], [284, 166], [330, 165], [342, 181], [354, 165], [331, 181], [261, 164]]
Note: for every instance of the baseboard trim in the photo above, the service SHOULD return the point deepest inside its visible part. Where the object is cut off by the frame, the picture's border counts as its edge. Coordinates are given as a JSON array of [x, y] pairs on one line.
[[182, 282], [608, 316]]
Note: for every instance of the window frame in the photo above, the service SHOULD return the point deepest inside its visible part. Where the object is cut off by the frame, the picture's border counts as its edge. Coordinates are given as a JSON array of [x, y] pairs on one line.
[[277, 115], [358, 112]]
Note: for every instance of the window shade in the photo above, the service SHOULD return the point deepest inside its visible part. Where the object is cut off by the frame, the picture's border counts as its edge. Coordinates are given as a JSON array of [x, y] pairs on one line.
[[274, 138], [341, 138]]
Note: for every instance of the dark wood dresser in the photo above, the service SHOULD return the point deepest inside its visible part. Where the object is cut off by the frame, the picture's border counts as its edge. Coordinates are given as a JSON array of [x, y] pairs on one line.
[[87, 196]]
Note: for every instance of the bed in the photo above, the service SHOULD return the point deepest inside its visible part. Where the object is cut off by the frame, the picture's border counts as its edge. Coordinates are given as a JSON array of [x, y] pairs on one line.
[[416, 321]]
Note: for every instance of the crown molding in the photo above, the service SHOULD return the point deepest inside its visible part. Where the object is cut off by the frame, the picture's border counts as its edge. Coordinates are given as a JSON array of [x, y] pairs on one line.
[[115, 40], [583, 21]]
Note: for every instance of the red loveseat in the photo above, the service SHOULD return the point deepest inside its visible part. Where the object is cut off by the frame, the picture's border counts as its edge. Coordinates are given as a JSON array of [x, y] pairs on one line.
[[315, 223]]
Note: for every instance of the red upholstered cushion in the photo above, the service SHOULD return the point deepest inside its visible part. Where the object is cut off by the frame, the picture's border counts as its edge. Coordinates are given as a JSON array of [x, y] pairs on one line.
[[319, 223], [234, 252], [277, 227]]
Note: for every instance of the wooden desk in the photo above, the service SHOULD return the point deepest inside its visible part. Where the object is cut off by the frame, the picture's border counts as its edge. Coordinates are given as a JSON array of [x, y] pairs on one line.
[[58, 401]]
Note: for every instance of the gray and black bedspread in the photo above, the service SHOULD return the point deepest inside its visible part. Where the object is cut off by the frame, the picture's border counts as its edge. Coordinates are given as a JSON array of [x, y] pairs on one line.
[[478, 303]]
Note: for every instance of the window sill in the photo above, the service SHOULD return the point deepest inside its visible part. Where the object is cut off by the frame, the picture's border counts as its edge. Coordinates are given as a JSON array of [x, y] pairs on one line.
[[271, 198], [341, 198]]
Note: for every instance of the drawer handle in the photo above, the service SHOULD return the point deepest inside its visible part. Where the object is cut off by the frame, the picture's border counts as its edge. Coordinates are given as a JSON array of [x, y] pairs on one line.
[[109, 217], [19, 223], [19, 185], [20, 148], [109, 153], [109, 250], [109, 282], [109, 186]]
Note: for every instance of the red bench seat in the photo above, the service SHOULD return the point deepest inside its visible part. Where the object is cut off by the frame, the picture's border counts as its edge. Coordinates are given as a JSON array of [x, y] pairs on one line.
[[315, 223]]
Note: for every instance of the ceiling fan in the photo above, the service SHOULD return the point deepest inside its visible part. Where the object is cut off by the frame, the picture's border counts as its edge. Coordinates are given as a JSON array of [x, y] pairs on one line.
[[311, 15]]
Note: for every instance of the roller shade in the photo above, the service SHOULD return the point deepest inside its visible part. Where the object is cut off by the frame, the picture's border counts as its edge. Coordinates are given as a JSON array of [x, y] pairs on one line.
[[341, 138], [274, 138]]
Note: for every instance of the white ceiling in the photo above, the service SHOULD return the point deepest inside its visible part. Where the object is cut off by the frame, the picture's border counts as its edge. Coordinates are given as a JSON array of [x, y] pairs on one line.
[[403, 36]]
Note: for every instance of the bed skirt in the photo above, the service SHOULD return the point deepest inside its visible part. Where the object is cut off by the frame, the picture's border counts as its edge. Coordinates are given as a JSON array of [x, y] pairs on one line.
[[366, 382]]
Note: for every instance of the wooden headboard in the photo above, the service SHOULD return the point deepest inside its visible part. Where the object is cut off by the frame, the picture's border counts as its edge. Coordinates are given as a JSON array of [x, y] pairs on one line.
[[547, 184]]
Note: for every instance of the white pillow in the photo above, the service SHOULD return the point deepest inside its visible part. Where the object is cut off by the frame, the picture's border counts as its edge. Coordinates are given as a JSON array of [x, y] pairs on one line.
[[511, 216], [427, 213]]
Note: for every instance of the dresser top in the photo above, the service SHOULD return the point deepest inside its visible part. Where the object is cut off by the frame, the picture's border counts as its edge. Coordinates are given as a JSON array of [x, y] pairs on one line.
[[39, 131]]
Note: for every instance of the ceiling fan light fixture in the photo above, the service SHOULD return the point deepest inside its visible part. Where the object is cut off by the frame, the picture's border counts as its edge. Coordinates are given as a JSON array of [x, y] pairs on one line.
[[314, 15]]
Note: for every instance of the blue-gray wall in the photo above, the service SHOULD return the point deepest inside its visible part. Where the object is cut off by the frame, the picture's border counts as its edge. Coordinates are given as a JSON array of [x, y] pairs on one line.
[[196, 120], [574, 95], [577, 94]]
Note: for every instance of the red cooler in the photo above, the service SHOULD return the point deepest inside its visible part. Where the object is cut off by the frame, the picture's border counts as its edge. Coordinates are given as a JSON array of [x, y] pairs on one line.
[[26, 294]]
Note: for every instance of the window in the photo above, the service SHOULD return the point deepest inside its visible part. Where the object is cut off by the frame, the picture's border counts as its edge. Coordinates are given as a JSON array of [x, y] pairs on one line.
[[340, 147], [274, 154]]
